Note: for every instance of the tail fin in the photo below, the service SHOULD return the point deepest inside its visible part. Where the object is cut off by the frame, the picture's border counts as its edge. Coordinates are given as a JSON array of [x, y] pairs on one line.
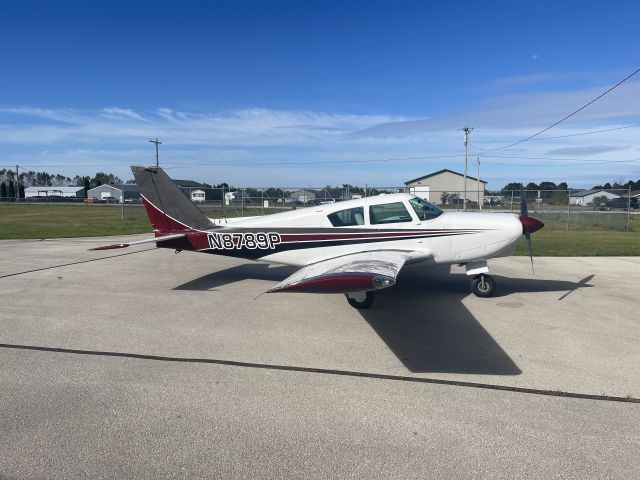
[[168, 208]]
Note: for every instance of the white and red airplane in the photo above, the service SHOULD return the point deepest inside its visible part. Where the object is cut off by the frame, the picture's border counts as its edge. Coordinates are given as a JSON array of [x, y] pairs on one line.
[[354, 247]]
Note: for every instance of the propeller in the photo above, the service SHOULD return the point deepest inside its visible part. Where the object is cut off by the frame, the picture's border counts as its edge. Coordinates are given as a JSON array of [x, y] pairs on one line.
[[529, 224]]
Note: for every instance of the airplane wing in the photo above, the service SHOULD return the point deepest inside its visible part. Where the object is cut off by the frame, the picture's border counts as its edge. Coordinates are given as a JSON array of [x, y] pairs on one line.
[[357, 272], [147, 240]]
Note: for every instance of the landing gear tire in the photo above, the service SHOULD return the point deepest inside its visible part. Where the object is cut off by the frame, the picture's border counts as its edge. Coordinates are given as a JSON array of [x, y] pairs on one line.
[[483, 286], [360, 300]]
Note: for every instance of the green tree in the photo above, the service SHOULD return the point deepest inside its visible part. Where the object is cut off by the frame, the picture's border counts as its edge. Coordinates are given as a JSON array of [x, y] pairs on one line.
[[102, 178], [3, 190], [12, 190], [512, 186]]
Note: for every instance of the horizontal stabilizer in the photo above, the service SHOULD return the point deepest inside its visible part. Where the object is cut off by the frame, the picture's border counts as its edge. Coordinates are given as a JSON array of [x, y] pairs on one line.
[[148, 240]]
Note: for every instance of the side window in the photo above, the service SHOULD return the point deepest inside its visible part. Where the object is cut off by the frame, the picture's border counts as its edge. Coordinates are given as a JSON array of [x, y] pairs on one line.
[[424, 210], [388, 213], [347, 218]]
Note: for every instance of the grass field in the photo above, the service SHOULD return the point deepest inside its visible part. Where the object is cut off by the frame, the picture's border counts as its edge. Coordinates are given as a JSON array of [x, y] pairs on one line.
[[54, 221]]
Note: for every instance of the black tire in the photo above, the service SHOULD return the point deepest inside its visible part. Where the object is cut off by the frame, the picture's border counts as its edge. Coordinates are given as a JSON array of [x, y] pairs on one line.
[[366, 303], [482, 288]]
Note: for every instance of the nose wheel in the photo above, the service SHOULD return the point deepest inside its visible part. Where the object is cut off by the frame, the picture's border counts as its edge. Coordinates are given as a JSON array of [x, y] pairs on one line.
[[360, 299], [483, 285]]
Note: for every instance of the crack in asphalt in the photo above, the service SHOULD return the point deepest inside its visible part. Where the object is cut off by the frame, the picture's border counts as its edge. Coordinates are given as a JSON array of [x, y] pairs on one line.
[[326, 371], [75, 263]]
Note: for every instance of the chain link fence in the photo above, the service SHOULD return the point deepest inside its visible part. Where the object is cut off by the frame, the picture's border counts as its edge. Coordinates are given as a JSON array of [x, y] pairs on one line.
[[612, 209]]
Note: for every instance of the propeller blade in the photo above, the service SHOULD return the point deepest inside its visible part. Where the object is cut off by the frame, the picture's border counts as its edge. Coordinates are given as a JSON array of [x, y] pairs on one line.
[[524, 210], [528, 235]]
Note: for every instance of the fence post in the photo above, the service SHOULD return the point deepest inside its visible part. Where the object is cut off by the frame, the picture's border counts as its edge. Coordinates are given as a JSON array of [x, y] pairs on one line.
[[223, 202], [628, 208], [511, 201], [568, 208]]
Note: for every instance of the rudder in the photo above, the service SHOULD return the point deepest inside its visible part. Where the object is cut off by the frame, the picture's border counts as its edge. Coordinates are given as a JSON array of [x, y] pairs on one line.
[[168, 208]]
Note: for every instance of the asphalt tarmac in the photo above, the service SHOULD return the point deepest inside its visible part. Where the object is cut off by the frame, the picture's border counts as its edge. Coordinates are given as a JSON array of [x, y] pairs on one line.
[[139, 363]]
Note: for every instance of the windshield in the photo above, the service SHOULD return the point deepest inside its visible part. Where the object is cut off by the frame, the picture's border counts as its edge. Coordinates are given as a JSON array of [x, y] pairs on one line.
[[424, 210]]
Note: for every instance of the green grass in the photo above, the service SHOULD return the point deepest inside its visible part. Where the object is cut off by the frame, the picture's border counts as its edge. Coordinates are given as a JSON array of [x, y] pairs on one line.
[[54, 221]]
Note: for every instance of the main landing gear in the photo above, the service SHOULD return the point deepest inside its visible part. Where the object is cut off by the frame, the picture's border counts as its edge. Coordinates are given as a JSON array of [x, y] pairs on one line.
[[483, 285], [360, 300]]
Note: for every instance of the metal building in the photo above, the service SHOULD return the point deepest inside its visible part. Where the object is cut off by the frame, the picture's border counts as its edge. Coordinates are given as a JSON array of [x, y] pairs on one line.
[[131, 192], [431, 187], [585, 197], [40, 192]]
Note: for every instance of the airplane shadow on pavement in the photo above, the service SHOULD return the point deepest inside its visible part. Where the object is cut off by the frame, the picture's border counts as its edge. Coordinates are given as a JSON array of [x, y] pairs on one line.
[[422, 318]]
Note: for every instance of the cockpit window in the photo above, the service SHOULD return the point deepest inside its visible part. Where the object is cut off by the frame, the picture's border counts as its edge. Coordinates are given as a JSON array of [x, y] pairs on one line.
[[424, 209], [388, 213], [347, 218]]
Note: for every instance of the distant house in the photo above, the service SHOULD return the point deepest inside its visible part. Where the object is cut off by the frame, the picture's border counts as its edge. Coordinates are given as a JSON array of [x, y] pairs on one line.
[[432, 186], [585, 197], [197, 195], [45, 192], [130, 192], [189, 186]]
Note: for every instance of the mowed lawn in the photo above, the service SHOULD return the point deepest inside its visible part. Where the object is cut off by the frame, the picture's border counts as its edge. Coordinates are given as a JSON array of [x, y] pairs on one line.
[[55, 221]]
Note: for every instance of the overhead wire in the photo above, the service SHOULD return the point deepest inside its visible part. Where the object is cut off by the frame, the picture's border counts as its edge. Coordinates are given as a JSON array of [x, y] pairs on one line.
[[567, 116], [563, 136]]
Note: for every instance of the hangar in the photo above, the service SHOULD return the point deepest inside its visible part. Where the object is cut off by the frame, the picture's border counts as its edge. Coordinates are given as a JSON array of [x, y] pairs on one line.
[[68, 192], [585, 197], [431, 187], [130, 192]]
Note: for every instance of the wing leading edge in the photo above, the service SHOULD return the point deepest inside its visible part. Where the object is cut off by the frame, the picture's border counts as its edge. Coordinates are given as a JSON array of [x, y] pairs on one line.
[[358, 272]]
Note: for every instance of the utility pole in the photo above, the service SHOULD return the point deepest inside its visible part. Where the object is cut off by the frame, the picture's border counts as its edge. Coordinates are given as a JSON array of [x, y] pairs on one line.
[[17, 185], [467, 131], [157, 142]]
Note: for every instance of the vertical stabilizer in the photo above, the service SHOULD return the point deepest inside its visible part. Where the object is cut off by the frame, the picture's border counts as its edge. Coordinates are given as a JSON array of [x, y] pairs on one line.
[[167, 207]]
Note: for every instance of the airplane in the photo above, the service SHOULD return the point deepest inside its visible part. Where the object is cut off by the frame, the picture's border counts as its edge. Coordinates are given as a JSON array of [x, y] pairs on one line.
[[355, 247]]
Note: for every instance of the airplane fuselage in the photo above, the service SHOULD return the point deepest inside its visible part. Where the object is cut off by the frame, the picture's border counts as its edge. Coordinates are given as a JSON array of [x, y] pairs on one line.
[[308, 235]]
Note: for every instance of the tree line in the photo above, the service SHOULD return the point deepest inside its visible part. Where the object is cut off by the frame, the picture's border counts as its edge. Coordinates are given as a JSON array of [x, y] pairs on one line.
[[618, 184], [31, 178]]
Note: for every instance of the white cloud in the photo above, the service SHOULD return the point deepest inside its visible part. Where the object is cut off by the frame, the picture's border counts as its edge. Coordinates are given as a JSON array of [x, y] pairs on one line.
[[119, 136], [115, 113]]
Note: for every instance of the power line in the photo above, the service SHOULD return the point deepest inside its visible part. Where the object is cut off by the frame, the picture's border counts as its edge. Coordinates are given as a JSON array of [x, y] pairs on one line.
[[570, 115], [568, 159], [574, 164], [560, 136]]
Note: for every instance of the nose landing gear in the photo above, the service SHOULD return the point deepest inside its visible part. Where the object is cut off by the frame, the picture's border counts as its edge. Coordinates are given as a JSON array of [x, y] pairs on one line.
[[483, 285]]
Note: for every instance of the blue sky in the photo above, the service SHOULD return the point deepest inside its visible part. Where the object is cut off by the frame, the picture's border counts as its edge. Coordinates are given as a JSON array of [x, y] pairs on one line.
[[280, 92]]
